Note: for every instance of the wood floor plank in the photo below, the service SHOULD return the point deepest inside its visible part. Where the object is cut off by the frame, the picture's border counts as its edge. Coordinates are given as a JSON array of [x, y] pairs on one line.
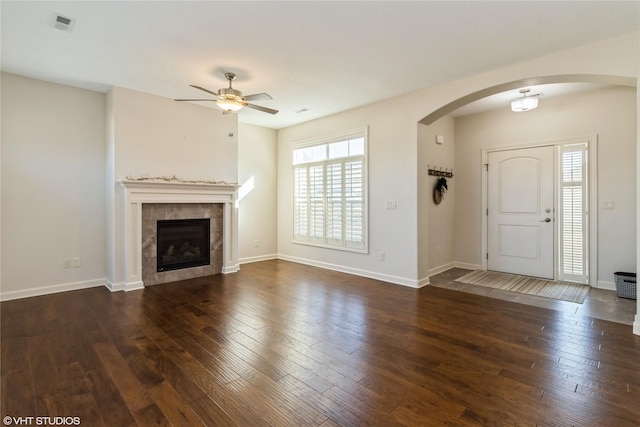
[[277, 405], [289, 365], [177, 411], [16, 373], [177, 365], [336, 412], [285, 344], [132, 391], [113, 409]]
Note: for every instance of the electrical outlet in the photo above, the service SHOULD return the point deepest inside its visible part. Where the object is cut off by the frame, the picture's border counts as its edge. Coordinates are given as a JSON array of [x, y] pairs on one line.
[[75, 262], [256, 243], [67, 263], [381, 256]]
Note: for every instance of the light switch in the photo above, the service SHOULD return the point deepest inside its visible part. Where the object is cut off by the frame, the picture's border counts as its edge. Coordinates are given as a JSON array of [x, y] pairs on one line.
[[390, 204], [607, 204]]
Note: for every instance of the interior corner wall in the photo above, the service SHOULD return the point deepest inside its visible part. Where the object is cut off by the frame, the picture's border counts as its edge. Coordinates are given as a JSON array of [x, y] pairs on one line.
[[257, 200], [436, 222], [608, 113], [111, 240], [636, 322], [52, 187], [424, 202]]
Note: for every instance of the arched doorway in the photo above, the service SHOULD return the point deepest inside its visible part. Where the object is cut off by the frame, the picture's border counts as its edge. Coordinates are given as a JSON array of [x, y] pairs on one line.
[[443, 111]]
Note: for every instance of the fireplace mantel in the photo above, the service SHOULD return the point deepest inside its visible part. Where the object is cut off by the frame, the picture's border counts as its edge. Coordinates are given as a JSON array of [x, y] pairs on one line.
[[138, 192]]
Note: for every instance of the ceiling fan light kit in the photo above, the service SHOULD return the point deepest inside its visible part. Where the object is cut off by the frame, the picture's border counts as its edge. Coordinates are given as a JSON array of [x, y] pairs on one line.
[[526, 103], [229, 105], [231, 100]]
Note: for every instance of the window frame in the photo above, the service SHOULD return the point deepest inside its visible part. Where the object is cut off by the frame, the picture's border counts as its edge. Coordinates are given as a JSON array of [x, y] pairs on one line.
[[309, 238]]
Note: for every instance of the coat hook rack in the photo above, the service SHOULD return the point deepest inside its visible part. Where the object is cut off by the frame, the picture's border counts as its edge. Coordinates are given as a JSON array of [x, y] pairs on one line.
[[439, 172]]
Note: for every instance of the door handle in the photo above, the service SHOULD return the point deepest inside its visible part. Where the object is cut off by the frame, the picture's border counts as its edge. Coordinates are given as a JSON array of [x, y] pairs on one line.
[[546, 220]]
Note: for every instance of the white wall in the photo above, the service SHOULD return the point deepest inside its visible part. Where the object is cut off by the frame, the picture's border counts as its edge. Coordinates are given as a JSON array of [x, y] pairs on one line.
[[392, 176], [437, 223], [394, 163], [154, 136], [64, 150], [145, 121], [609, 113], [257, 208], [52, 187], [161, 137]]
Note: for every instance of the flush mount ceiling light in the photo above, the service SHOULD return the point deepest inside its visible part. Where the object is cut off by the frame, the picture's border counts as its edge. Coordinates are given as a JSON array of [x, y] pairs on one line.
[[526, 103]]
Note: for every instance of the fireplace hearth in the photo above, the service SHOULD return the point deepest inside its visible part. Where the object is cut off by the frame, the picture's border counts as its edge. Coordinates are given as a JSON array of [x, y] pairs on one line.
[[183, 243]]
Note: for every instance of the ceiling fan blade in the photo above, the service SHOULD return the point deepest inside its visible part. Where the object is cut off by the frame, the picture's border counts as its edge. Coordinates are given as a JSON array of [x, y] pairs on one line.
[[195, 100], [206, 90], [258, 97], [259, 108]]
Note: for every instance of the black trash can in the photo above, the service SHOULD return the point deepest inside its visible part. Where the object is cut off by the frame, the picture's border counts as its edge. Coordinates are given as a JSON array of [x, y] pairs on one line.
[[626, 284]]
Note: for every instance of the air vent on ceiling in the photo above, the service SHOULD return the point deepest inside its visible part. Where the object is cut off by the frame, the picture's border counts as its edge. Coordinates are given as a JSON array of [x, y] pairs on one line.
[[64, 23]]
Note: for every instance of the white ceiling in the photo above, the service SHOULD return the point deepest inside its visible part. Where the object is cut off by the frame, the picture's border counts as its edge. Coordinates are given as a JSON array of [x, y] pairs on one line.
[[503, 99], [324, 56]]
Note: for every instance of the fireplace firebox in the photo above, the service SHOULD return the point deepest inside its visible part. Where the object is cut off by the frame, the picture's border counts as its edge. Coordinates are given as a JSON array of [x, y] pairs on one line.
[[183, 243]]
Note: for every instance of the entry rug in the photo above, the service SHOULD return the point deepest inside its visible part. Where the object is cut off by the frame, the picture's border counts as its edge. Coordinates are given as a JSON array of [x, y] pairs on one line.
[[527, 285]]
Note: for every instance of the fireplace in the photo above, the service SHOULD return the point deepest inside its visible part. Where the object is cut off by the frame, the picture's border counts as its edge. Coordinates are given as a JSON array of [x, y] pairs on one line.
[[145, 203], [175, 243], [183, 243]]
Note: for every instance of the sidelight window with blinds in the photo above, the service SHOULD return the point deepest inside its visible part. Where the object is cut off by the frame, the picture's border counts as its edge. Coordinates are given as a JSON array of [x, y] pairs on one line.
[[573, 224], [330, 193]]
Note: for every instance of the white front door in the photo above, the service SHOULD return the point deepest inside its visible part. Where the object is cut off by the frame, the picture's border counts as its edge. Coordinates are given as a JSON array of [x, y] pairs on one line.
[[520, 212]]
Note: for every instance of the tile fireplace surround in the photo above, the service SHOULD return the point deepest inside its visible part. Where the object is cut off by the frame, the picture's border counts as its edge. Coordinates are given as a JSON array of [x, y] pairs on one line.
[[194, 197], [152, 213]]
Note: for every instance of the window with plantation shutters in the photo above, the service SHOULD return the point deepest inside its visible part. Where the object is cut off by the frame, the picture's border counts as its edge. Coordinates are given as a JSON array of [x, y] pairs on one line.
[[573, 213], [330, 206]]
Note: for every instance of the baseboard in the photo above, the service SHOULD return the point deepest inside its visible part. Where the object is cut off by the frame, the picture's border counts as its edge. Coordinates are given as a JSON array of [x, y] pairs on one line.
[[440, 269], [423, 282], [432, 272], [608, 286], [404, 281], [467, 266], [231, 269], [52, 289], [114, 287], [133, 286], [248, 260]]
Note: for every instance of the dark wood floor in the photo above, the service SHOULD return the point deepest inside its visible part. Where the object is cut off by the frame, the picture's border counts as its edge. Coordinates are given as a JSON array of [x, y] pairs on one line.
[[284, 344]]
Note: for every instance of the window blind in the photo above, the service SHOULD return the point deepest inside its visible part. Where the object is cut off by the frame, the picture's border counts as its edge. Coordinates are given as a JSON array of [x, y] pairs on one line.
[[330, 194], [573, 213]]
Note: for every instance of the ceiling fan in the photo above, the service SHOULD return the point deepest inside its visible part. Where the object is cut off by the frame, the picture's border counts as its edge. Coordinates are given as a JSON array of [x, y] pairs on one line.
[[230, 99]]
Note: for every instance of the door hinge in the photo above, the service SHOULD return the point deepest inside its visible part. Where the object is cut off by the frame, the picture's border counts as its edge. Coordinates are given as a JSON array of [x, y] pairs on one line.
[[486, 165], [487, 255]]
